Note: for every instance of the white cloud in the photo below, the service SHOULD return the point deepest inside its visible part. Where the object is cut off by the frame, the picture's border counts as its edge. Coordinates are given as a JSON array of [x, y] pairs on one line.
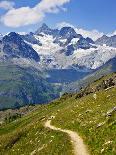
[[26, 15], [49, 6], [94, 34], [7, 5], [20, 17], [64, 24]]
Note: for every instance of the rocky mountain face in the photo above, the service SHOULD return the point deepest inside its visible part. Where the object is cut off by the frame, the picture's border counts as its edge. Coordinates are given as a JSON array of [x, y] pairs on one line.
[[15, 47], [108, 41], [31, 39], [105, 84], [46, 30]]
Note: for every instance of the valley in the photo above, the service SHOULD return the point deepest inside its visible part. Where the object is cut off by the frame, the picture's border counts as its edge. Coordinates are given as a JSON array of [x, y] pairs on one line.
[[92, 116]]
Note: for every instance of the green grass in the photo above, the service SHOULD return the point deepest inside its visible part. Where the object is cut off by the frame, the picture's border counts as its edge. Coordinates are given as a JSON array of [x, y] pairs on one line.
[[27, 134], [87, 116]]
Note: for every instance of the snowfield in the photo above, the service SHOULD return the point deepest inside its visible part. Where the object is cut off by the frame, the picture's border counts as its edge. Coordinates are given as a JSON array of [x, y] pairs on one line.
[[48, 47], [94, 58]]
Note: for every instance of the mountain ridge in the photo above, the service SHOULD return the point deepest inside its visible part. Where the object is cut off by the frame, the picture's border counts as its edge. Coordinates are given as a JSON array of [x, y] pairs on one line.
[[50, 48], [63, 56]]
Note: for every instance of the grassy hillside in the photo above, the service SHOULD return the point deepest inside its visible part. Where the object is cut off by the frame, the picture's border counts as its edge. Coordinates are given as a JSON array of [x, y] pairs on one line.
[[93, 116], [20, 86]]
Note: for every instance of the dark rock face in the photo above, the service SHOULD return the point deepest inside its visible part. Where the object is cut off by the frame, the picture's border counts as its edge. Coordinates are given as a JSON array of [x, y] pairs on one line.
[[31, 39], [68, 33], [0, 45], [107, 83], [84, 43], [70, 50], [46, 30], [109, 41], [14, 46], [89, 40]]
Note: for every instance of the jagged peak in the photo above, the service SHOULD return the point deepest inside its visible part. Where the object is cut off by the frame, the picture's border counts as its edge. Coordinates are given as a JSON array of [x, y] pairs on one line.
[[104, 36], [90, 40], [44, 25], [12, 34], [46, 30], [67, 28], [69, 32], [43, 29]]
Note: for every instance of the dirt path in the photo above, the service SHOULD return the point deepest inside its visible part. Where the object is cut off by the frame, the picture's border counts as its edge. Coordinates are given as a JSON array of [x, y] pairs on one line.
[[77, 141]]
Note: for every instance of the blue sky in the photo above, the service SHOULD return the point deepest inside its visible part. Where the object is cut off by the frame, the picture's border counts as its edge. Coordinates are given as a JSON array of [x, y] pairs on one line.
[[86, 14]]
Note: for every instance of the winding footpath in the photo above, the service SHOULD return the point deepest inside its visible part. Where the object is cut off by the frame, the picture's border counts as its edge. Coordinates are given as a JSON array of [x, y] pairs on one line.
[[77, 141]]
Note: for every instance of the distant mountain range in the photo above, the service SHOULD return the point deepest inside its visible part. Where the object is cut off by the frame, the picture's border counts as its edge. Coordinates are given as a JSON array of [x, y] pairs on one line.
[[108, 41], [58, 49], [62, 55]]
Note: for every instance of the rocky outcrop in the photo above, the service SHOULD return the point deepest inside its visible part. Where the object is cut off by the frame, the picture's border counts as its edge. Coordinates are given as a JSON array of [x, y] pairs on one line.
[[104, 84]]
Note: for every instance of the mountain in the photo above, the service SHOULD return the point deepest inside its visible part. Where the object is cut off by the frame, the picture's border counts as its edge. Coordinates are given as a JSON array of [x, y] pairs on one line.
[[68, 33], [108, 41], [91, 115], [30, 38], [67, 49], [46, 30], [64, 57], [109, 67], [20, 86], [15, 47], [68, 38], [57, 49]]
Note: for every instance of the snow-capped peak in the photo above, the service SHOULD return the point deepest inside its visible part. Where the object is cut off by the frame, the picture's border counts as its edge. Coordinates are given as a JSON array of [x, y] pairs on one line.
[[93, 34], [64, 48]]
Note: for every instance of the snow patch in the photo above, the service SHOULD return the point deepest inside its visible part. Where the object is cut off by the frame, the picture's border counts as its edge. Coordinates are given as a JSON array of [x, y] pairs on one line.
[[74, 40], [48, 47]]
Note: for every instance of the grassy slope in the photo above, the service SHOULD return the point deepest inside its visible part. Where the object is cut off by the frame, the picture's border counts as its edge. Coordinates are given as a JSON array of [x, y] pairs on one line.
[[28, 135]]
